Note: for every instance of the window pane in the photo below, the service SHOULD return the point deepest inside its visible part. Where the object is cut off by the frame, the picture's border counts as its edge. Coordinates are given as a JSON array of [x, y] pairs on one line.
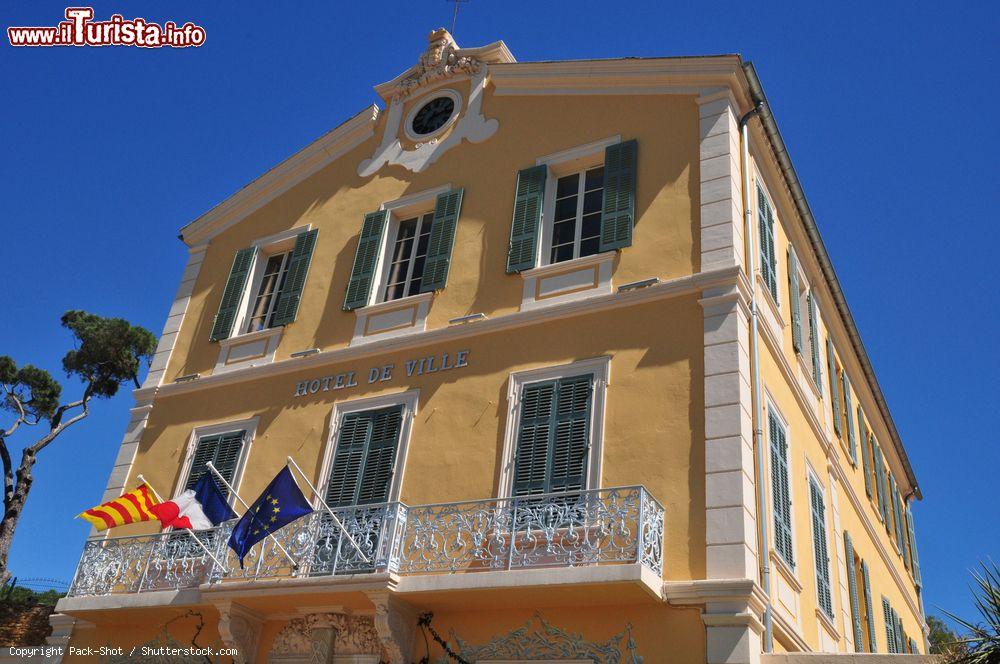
[[590, 246], [563, 232], [595, 179], [270, 284], [562, 253], [566, 208], [593, 201], [567, 185], [591, 226]]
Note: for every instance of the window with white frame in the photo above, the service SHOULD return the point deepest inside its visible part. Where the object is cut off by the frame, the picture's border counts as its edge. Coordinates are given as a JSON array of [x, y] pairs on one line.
[[225, 446], [274, 272], [576, 215], [765, 226], [555, 429], [406, 256]]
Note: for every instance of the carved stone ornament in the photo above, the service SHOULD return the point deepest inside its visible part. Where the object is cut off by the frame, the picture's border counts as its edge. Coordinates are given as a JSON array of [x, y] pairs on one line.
[[327, 638], [240, 628], [443, 60], [395, 622], [537, 639]]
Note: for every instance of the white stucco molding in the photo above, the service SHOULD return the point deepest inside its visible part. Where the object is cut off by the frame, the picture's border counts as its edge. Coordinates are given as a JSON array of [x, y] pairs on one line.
[[443, 62]]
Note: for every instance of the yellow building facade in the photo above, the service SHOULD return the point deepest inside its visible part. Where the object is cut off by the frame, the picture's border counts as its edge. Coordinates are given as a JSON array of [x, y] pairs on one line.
[[546, 338]]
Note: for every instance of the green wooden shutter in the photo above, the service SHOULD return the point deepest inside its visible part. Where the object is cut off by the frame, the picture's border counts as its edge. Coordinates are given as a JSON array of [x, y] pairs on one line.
[[553, 436], [852, 586], [866, 455], [528, 202], [571, 442], [223, 450], [897, 630], [442, 240], [780, 490], [880, 482], [849, 412], [365, 457], [834, 387], [890, 626], [820, 550], [618, 213], [232, 296], [814, 342], [531, 456], [915, 567], [765, 224], [793, 300], [869, 611], [359, 288], [913, 647], [897, 513], [298, 267]]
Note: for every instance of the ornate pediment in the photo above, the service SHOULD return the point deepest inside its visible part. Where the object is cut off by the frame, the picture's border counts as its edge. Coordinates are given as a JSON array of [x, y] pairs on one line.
[[440, 118]]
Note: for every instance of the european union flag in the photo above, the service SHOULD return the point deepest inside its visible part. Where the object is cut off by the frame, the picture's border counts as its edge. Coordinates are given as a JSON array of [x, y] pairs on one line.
[[281, 503]]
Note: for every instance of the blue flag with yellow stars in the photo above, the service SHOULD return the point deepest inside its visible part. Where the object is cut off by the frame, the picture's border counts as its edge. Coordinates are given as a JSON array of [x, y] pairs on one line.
[[281, 503]]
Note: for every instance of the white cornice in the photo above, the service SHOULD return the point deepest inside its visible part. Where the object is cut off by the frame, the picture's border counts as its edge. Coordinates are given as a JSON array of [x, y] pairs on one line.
[[671, 288], [622, 76], [318, 154], [495, 53]]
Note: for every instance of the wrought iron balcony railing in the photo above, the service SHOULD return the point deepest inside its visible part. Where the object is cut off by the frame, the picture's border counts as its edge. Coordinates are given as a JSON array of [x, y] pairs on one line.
[[581, 528]]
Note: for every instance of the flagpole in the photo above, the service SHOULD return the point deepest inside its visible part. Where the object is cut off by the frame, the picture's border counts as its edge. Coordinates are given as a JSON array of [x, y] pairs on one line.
[[189, 531], [327, 508], [253, 516]]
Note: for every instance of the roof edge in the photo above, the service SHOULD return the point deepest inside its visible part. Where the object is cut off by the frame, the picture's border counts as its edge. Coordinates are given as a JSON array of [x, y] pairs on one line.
[[826, 265]]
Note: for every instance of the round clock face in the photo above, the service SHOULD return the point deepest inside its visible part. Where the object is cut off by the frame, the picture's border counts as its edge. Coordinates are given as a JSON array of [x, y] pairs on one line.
[[433, 115]]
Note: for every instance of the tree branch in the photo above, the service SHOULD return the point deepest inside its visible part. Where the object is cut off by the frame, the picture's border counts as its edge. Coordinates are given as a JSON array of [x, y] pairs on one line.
[[8, 475], [58, 426]]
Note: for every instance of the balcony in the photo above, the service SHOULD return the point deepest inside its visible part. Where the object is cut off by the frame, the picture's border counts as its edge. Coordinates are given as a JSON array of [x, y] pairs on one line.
[[586, 528]]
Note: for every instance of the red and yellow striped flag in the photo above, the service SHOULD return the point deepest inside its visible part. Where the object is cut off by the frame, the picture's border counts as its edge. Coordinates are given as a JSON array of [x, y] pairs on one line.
[[130, 507]]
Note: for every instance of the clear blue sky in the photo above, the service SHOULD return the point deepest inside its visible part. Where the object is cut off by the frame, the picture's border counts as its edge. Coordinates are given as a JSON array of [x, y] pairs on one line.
[[889, 111]]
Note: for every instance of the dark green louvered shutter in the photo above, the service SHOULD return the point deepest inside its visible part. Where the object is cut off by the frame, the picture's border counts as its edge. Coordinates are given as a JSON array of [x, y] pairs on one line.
[[866, 454], [365, 457], [852, 586], [298, 267], [793, 300], [890, 626], [869, 611], [915, 567], [880, 484], [223, 450], [913, 647], [442, 240], [814, 341], [531, 457], [897, 630], [232, 296], [780, 490], [571, 439], [849, 412], [820, 550], [897, 514], [528, 202], [905, 535], [834, 387], [618, 213], [359, 288], [553, 436], [765, 225]]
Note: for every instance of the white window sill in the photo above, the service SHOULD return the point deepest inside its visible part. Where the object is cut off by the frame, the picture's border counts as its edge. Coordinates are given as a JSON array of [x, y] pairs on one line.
[[827, 623], [778, 563], [577, 279], [394, 318], [247, 350], [772, 312]]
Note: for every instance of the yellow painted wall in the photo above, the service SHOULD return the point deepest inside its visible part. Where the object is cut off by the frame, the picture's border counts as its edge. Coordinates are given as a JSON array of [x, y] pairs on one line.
[[335, 200], [806, 444], [654, 409]]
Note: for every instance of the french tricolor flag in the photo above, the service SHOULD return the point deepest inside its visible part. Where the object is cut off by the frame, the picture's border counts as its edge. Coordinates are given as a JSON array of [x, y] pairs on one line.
[[199, 508]]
